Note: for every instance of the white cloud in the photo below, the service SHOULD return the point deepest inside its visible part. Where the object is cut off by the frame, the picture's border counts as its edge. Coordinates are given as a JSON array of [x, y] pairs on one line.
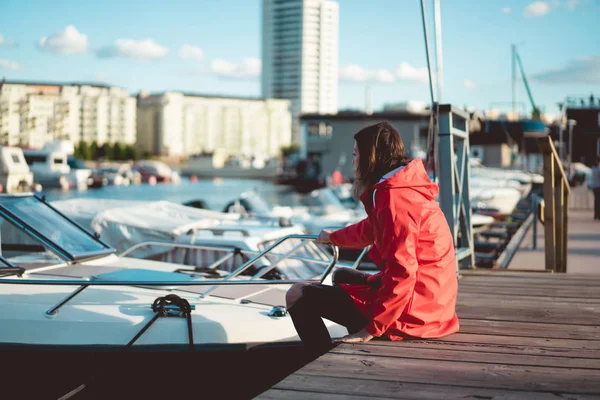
[[407, 72], [189, 52], [7, 64], [537, 9], [572, 4], [404, 72], [69, 41], [145, 49], [355, 73], [101, 77], [469, 84], [249, 68], [584, 70], [506, 10], [4, 42]]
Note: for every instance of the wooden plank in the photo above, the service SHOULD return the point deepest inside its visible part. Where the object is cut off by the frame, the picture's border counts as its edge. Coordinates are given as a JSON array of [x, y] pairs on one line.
[[522, 343], [480, 353], [542, 296], [300, 386], [529, 329], [511, 314], [559, 294], [480, 375], [506, 276], [516, 310]]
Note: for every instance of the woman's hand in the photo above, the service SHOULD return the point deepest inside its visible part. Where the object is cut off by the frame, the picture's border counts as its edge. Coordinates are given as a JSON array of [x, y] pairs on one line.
[[324, 237], [361, 336]]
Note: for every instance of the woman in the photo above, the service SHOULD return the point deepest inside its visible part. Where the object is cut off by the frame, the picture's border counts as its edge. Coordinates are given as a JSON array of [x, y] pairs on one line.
[[414, 294], [595, 186]]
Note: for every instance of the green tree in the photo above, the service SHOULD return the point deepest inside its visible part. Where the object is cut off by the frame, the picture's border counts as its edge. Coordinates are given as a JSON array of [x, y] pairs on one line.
[[118, 151], [286, 151], [94, 151], [131, 153], [84, 151], [107, 151]]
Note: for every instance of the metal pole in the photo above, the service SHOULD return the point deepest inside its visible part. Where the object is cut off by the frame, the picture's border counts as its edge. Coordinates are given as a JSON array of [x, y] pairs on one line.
[[427, 53], [570, 124], [514, 80], [561, 152], [438, 49]]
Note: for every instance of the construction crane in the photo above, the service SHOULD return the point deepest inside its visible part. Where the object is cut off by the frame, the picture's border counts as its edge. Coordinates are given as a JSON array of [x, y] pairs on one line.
[[535, 113]]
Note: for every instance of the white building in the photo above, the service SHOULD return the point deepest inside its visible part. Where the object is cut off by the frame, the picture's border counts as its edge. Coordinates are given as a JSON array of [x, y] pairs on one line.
[[300, 55], [33, 114], [180, 124], [330, 138]]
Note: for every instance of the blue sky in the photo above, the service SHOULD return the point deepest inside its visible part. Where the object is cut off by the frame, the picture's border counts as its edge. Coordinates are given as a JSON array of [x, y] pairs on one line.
[[138, 45]]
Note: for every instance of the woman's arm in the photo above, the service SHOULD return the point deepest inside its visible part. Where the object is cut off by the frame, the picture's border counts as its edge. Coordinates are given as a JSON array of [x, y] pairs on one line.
[[355, 236]]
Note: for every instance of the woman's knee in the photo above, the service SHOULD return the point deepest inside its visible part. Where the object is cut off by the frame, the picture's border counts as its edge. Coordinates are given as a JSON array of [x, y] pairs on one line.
[[294, 293]]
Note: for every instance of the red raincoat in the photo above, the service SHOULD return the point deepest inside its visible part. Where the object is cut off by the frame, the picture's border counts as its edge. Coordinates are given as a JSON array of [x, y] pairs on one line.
[[414, 295]]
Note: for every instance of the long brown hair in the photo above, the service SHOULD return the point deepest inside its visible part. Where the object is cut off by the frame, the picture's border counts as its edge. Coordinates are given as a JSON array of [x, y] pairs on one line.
[[380, 150]]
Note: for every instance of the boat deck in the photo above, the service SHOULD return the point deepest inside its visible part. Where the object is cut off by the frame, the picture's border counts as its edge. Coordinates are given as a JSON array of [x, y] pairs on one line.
[[523, 335]]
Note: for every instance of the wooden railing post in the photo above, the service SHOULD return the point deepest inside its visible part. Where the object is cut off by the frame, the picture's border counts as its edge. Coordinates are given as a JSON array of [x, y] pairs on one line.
[[558, 221], [556, 207], [549, 227]]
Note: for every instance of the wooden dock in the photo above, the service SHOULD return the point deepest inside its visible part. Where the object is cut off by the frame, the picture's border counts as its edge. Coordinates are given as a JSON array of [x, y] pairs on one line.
[[523, 335]]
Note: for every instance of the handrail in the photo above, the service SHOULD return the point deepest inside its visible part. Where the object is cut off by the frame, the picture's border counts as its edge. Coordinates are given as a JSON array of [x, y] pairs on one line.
[[214, 283], [547, 147], [556, 207], [251, 262], [233, 250], [203, 282]]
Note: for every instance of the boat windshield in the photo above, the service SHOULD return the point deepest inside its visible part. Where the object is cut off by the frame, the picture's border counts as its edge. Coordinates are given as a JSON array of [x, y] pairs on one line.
[[31, 222], [257, 204], [294, 268], [326, 199]]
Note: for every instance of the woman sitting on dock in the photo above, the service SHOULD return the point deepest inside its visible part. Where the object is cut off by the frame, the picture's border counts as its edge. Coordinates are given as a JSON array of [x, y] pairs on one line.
[[414, 294]]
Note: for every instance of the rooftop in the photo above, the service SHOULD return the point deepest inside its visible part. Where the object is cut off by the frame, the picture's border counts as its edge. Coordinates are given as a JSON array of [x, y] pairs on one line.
[[362, 116], [46, 83], [212, 95]]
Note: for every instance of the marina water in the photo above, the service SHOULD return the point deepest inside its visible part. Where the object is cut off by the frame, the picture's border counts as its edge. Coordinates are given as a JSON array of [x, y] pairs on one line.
[[216, 193]]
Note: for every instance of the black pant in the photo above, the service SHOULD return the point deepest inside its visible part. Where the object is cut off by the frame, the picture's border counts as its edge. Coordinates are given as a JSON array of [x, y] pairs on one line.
[[597, 203], [329, 302]]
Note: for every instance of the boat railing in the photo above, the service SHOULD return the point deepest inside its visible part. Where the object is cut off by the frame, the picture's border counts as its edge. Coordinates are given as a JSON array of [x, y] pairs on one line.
[[214, 283], [231, 252]]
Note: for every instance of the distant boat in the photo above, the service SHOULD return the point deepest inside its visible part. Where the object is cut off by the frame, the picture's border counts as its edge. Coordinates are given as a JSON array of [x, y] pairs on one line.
[[15, 175], [210, 166]]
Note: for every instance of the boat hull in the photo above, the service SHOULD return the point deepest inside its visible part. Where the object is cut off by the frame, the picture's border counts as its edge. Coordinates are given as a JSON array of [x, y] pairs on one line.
[[148, 373]]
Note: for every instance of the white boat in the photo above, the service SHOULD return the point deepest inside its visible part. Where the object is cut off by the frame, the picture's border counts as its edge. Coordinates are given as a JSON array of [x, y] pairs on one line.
[[15, 175], [66, 299], [153, 171], [156, 229], [319, 209], [49, 168], [498, 202]]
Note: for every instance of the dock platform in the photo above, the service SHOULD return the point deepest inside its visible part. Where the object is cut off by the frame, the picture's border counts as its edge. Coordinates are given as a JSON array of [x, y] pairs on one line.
[[523, 335]]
